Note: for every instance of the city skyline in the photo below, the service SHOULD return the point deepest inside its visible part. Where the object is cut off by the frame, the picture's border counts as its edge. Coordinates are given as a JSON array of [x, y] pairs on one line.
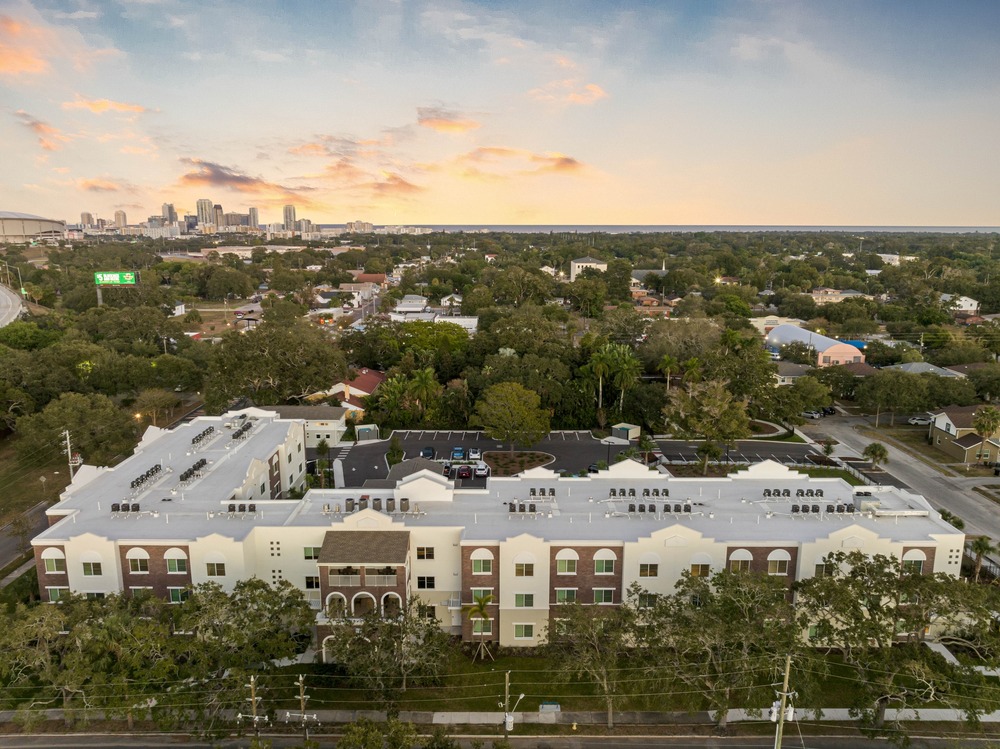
[[450, 112]]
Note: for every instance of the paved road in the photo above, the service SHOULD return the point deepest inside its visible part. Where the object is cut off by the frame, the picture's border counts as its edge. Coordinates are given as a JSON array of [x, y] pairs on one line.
[[10, 306], [9, 542], [953, 493]]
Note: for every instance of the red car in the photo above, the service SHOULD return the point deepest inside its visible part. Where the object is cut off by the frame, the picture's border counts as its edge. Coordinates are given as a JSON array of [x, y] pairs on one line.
[[464, 472]]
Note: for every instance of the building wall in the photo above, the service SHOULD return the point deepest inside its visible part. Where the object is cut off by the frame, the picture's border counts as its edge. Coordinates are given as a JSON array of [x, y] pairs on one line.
[[841, 353]]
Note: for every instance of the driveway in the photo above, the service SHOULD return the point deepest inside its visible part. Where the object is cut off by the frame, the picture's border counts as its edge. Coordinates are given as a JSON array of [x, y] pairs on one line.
[[943, 491]]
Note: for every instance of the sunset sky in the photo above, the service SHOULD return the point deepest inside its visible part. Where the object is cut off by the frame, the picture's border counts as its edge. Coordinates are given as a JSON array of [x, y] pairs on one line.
[[450, 112]]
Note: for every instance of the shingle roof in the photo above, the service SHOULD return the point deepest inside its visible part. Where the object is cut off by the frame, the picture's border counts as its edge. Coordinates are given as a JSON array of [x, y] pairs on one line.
[[365, 547]]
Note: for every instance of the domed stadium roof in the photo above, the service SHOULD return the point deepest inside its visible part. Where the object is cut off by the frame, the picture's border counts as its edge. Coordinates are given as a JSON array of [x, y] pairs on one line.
[[28, 216], [26, 227]]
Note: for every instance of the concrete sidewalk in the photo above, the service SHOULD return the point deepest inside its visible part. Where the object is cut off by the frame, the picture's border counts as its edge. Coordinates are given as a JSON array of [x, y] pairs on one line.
[[17, 573]]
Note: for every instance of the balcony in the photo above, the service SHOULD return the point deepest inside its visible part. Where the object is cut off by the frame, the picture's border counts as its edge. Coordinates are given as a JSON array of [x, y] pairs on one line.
[[380, 581], [345, 581]]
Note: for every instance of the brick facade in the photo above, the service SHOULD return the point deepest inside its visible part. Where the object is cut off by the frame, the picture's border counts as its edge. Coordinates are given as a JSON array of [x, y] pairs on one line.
[[586, 578], [46, 579], [930, 551], [470, 581], [158, 579]]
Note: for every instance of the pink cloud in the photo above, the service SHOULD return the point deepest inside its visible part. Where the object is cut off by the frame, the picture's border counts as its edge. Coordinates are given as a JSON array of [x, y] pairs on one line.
[[569, 91], [99, 106], [50, 138], [445, 121]]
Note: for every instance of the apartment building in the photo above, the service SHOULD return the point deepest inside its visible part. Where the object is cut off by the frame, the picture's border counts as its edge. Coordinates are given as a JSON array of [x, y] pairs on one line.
[[218, 509]]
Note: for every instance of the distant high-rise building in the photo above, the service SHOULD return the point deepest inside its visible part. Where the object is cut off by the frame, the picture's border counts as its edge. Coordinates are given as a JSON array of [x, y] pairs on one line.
[[86, 219], [169, 214], [155, 222], [358, 227], [206, 215], [304, 225], [218, 217], [120, 220], [254, 218], [190, 222], [289, 218]]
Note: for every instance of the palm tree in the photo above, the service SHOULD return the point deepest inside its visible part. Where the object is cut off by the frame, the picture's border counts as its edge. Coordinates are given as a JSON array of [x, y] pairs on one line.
[[986, 421], [981, 546], [424, 388], [600, 367], [479, 610], [626, 369], [667, 365], [876, 453]]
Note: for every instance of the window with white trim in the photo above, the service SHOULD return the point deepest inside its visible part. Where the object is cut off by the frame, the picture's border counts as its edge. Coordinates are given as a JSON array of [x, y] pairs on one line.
[[92, 569], [604, 562], [778, 562], [138, 566], [524, 569], [604, 595], [649, 570], [566, 566], [312, 582], [177, 566], [524, 600], [425, 552], [55, 566], [481, 593], [524, 631], [215, 569], [425, 582], [57, 593], [482, 626], [565, 595], [310, 552], [177, 595], [482, 562]]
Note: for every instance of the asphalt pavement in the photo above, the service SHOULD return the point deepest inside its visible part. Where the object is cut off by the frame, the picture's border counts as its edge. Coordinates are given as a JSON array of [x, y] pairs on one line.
[[10, 306]]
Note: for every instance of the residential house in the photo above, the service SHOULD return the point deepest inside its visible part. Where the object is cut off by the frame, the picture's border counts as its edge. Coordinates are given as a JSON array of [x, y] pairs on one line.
[[576, 267], [825, 295], [960, 305], [922, 367], [788, 372], [952, 432]]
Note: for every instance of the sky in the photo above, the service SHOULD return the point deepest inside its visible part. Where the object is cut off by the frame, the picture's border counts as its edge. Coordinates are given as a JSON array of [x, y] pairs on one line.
[[501, 112]]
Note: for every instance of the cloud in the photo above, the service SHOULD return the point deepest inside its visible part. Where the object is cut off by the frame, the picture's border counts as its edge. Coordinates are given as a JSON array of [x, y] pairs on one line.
[[99, 106], [445, 121], [99, 185], [393, 184], [569, 91], [49, 138], [76, 15], [19, 48], [136, 150], [208, 174], [268, 55], [310, 149], [493, 163]]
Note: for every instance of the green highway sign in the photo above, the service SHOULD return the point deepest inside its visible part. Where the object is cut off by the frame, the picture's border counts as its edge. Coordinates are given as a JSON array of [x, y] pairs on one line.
[[116, 278]]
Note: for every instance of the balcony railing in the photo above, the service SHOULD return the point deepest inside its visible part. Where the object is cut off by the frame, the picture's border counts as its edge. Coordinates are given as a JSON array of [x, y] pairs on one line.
[[381, 581], [345, 581]]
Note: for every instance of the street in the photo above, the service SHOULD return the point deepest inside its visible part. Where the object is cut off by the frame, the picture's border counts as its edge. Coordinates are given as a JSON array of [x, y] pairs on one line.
[[10, 306]]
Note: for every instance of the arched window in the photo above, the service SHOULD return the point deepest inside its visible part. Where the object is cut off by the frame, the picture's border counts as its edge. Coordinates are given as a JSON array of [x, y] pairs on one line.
[[138, 561], [482, 562], [177, 561], [566, 561], [701, 565], [54, 560], [778, 562], [604, 562], [913, 561], [739, 560]]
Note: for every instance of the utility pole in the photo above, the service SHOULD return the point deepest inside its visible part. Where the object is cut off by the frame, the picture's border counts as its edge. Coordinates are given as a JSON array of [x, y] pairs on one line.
[[782, 705], [254, 699], [506, 705], [69, 455], [303, 698]]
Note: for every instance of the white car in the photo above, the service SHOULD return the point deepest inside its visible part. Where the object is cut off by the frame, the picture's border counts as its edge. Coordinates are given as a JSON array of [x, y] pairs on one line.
[[482, 470], [812, 414], [920, 421], [475, 453]]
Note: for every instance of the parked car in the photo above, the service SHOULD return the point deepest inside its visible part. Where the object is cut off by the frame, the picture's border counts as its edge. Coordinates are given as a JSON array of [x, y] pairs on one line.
[[920, 421], [592, 468], [475, 453], [458, 453], [427, 452], [464, 472], [482, 471], [446, 468], [829, 411], [812, 414]]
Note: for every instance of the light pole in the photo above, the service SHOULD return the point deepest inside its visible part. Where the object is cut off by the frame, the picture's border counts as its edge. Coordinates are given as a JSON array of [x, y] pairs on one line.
[[508, 712]]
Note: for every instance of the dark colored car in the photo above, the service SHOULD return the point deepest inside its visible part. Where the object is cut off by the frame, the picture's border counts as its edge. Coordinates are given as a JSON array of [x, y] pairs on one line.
[[464, 472], [446, 469], [427, 452], [829, 411], [592, 468]]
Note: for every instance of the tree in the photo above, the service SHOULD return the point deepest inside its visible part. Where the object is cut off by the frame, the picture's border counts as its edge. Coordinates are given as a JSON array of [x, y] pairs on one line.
[[152, 401], [667, 365], [600, 365], [707, 410], [98, 428], [875, 611], [625, 370], [366, 734], [986, 422], [981, 546], [511, 413], [721, 636], [594, 642], [479, 611], [892, 390], [875, 453]]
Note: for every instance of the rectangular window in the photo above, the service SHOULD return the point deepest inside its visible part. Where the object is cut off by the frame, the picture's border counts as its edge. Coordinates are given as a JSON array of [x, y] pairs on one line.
[[481, 593], [524, 600], [482, 626], [425, 552], [216, 569], [55, 565], [739, 565], [177, 595], [262, 489], [138, 566], [425, 582], [825, 570], [482, 566], [565, 595], [826, 359], [647, 600], [604, 595], [565, 566], [649, 570], [56, 594], [137, 590], [311, 552], [604, 566], [913, 566], [177, 566], [94, 596], [524, 631], [524, 570], [701, 570], [777, 567], [312, 582], [92, 569]]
